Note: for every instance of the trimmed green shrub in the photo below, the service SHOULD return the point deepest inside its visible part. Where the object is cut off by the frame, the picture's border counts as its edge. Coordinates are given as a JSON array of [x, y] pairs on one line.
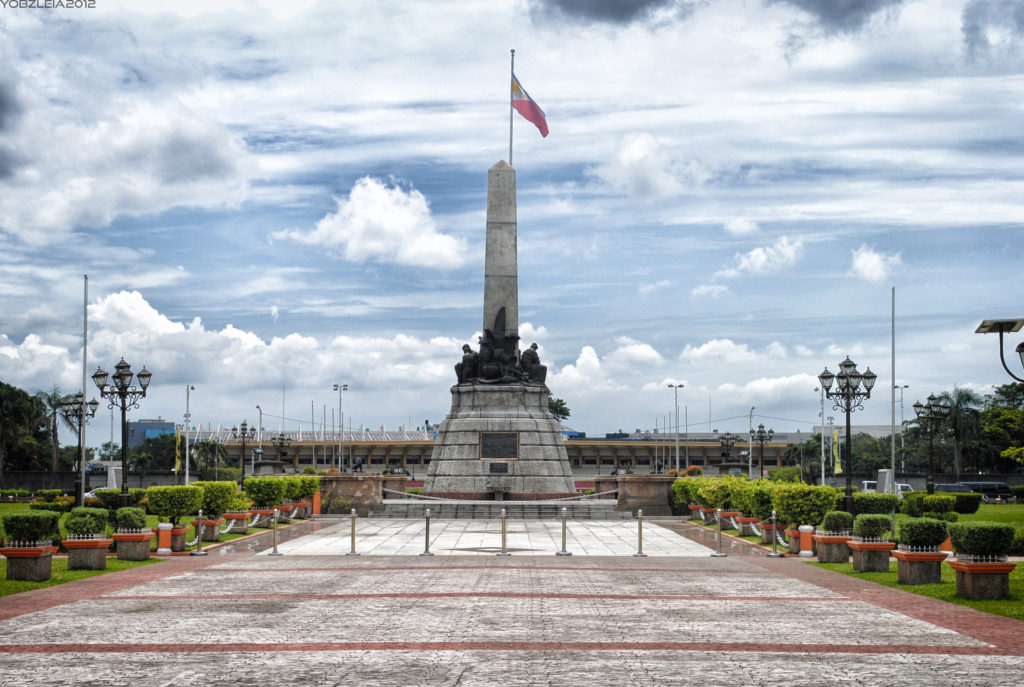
[[336, 504], [111, 498], [309, 470], [836, 521], [875, 503], [48, 495], [922, 532], [945, 516], [30, 526], [222, 474], [216, 497], [939, 503], [789, 473], [309, 485], [759, 495], [982, 538], [967, 503], [872, 525], [265, 492], [802, 504], [685, 489], [4, 493], [86, 520], [913, 503], [714, 492], [174, 502], [130, 518], [239, 503], [292, 487], [59, 506]]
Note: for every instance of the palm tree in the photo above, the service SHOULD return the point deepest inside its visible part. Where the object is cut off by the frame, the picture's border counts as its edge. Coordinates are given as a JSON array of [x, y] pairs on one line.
[[964, 420], [49, 406], [209, 454]]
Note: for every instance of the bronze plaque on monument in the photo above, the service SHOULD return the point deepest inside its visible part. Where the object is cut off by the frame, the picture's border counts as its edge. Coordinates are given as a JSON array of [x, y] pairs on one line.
[[499, 445]]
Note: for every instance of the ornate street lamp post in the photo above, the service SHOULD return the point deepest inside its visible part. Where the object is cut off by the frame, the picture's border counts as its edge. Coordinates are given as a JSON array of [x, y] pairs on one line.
[[281, 442], [852, 388], [934, 413], [727, 440], [77, 413], [1004, 327], [761, 436], [123, 395], [245, 433]]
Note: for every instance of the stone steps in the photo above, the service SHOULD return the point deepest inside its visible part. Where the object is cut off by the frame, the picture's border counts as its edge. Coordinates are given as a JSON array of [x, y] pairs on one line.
[[491, 510]]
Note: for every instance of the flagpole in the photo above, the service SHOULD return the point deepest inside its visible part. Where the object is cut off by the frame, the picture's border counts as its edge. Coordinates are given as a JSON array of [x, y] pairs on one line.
[[80, 494], [510, 95]]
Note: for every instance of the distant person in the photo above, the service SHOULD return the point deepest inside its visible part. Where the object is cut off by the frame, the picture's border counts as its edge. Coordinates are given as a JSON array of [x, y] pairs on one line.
[[357, 464]]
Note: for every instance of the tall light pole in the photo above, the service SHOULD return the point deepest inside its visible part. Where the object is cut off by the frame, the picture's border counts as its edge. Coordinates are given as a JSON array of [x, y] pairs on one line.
[[901, 388], [76, 413], [935, 412], [852, 388], [341, 388], [189, 388], [750, 446], [123, 395], [822, 416], [761, 436], [675, 391]]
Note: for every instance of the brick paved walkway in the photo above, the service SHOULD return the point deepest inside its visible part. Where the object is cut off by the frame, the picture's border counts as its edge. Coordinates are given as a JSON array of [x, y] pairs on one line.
[[323, 618]]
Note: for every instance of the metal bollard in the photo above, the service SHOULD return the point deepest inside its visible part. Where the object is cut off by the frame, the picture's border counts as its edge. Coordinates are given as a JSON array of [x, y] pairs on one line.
[[775, 539], [640, 535], [718, 517], [199, 535], [426, 534], [563, 552], [275, 552], [504, 549], [352, 551]]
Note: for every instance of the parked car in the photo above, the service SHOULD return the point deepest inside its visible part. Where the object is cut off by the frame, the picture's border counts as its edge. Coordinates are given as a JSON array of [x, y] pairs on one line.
[[991, 491], [953, 488], [868, 486], [901, 489]]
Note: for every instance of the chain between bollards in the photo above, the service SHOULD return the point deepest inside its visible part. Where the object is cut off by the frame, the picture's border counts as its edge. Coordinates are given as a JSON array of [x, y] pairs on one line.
[[775, 539], [640, 535], [504, 549], [352, 551], [275, 552], [563, 552], [199, 535], [426, 534], [718, 518]]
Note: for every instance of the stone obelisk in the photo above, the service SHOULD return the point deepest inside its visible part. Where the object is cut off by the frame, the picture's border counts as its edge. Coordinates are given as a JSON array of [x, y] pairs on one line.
[[500, 440]]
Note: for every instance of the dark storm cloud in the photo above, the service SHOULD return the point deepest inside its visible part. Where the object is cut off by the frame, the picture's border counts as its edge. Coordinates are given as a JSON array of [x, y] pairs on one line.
[[981, 14], [607, 11], [9, 106], [840, 16]]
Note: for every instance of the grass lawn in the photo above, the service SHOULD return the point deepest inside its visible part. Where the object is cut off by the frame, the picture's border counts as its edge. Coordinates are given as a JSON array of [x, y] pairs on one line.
[[61, 574], [946, 590]]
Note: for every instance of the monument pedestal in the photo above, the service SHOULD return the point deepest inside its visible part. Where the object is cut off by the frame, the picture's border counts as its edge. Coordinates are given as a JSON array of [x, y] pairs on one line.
[[499, 442]]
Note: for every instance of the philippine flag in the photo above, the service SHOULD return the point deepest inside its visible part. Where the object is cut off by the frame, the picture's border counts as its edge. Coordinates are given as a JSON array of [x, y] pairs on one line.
[[525, 106]]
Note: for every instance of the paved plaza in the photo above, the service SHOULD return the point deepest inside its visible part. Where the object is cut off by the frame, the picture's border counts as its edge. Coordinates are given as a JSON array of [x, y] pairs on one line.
[[465, 616]]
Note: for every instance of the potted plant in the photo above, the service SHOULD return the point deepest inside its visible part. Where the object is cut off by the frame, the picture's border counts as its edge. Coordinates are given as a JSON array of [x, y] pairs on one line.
[[833, 538], [803, 504], [309, 488], [216, 497], [28, 544], [132, 537], [919, 559], [171, 504], [266, 494], [291, 501], [982, 569], [870, 544], [87, 543], [686, 495], [238, 513]]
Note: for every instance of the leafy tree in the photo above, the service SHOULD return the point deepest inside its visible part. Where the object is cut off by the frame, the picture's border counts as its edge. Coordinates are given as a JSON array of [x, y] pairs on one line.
[[140, 463], [24, 430], [109, 450], [209, 454], [1006, 396], [964, 420], [159, 450], [558, 408], [1003, 430]]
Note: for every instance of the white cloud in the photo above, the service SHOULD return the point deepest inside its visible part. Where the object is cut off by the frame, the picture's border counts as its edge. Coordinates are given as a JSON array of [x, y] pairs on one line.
[[274, 313], [710, 290], [873, 266], [643, 169], [650, 288], [528, 333], [766, 259], [741, 226], [383, 223]]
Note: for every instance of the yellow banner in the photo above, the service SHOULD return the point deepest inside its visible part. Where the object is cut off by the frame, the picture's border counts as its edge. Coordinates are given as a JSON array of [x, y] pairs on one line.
[[177, 449], [835, 453]]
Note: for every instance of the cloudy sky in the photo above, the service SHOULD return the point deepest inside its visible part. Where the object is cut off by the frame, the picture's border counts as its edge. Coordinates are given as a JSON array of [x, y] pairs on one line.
[[274, 196]]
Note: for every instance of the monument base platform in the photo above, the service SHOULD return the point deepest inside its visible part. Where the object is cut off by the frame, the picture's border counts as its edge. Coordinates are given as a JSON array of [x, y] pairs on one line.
[[499, 442]]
